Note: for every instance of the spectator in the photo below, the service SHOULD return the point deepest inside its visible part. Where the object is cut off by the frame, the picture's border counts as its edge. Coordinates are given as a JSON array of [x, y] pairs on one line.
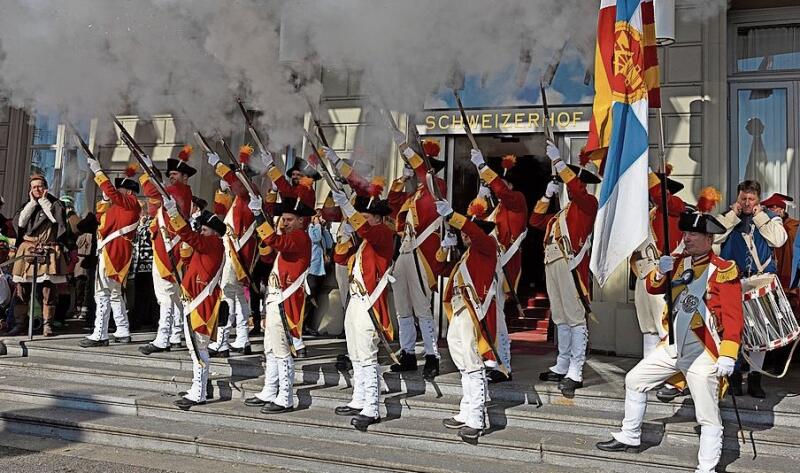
[[142, 305], [85, 267], [316, 271]]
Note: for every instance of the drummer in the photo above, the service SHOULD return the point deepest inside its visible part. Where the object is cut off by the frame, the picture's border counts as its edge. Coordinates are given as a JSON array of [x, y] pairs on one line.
[[752, 234]]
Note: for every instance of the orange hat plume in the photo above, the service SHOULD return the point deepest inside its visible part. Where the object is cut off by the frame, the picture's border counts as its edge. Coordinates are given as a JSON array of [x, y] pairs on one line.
[[708, 199], [130, 171], [313, 160], [431, 147], [668, 169], [245, 151], [508, 163], [307, 182], [185, 153], [477, 208], [376, 186]]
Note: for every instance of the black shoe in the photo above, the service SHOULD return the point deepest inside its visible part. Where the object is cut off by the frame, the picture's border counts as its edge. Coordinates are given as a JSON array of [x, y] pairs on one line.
[[176, 346], [343, 363], [218, 354], [615, 445], [346, 411], [150, 348], [551, 376], [408, 362], [735, 382], [754, 385], [122, 339], [272, 408], [246, 350], [185, 404], [431, 369], [89, 343], [468, 434], [254, 402], [362, 422], [452, 423], [568, 387], [497, 376], [301, 353], [666, 394]]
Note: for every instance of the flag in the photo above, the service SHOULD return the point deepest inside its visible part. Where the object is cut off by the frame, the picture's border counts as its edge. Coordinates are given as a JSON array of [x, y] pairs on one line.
[[626, 77]]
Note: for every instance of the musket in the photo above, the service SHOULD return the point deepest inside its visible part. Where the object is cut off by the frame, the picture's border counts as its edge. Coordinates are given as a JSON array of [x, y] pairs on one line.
[[138, 152], [255, 135], [81, 144], [326, 174], [378, 329], [467, 127]]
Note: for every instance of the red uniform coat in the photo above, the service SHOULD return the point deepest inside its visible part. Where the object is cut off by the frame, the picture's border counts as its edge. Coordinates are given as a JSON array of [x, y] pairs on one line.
[[294, 258], [479, 258], [723, 299], [306, 194], [580, 215], [203, 267], [422, 205], [123, 212], [183, 197], [511, 218], [375, 252], [239, 219], [675, 207]]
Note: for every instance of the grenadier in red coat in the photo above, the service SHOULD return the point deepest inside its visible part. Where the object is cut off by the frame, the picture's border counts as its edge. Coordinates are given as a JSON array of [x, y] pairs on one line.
[[510, 216], [707, 324], [469, 297], [167, 251], [369, 277], [301, 187], [420, 261], [202, 293], [285, 299], [117, 227], [241, 251], [566, 256]]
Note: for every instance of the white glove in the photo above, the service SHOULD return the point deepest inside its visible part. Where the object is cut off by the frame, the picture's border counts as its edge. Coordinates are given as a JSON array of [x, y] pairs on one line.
[[267, 159], [171, 207], [213, 159], [444, 208], [255, 204], [484, 191], [477, 158], [339, 198], [331, 155], [552, 151], [399, 137], [407, 172], [147, 161], [666, 264], [94, 165], [224, 186], [552, 189], [724, 366], [347, 230], [274, 187], [450, 240]]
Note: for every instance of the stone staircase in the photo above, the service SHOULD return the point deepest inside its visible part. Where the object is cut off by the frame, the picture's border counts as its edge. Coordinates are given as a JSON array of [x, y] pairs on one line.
[[114, 396]]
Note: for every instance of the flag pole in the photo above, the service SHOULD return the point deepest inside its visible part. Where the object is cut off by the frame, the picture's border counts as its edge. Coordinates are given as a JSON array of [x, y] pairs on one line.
[[665, 250]]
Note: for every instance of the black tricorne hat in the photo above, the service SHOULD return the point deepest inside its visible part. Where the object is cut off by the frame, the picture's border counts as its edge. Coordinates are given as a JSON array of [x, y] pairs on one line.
[[291, 205], [693, 221], [199, 202], [584, 174], [174, 164], [373, 206], [126, 183], [303, 167], [211, 221], [485, 225]]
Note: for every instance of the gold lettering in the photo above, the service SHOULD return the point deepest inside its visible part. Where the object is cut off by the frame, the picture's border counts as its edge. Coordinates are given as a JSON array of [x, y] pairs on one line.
[[533, 119], [518, 117], [473, 120], [565, 122], [575, 117], [430, 122], [441, 119], [458, 122], [496, 118], [486, 120]]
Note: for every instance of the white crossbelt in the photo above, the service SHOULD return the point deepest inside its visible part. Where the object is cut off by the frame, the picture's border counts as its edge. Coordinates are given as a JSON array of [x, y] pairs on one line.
[[484, 307], [573, 261], [421, 237], [300, 281], [238, 243], [169, 244], [195, 303], [509, 253], [116, 234], [359, 276]]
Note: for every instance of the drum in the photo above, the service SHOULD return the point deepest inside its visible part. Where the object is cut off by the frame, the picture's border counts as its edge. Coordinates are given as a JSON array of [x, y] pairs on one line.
[[769, 322]]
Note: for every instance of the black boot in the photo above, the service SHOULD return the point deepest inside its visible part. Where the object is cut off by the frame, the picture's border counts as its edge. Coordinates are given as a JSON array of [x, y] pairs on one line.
[[431, 369], [666, 394], [735, 381], [408, 362], [185, 404], [150, 348], [551, 376], [361, 422], [568, 387], [754, 385], [89, 343], [615, 445], [497, 376]]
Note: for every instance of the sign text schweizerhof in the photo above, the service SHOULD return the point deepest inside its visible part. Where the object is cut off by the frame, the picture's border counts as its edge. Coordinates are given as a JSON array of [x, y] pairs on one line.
[[507, 120]]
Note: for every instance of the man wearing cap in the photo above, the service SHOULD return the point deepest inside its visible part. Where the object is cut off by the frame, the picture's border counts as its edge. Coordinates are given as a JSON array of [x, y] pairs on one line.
[[566, 258], [117, 228], [201, 288], [420, 261], [41, 227], [777, 204], [707, 324], [167, 251], [285, 299], [511, 219], [369, 276], [752, 233], [241, 251], [469, 297]]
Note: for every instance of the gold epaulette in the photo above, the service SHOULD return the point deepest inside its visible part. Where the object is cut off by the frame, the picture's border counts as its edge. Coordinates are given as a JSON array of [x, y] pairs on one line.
[[727, 272]]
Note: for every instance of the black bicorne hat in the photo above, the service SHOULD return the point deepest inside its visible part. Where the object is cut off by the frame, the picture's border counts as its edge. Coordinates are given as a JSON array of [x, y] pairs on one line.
[[303, 167], [174, 164], [294, 206], [126, 183], [693, 221], [211, 221], [373, 206]]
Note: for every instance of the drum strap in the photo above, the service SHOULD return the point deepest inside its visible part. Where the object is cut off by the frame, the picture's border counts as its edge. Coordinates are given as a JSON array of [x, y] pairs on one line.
[[751, 247]]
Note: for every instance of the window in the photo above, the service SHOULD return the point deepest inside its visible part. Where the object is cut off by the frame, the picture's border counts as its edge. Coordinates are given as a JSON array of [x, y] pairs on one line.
[[768, 48]]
